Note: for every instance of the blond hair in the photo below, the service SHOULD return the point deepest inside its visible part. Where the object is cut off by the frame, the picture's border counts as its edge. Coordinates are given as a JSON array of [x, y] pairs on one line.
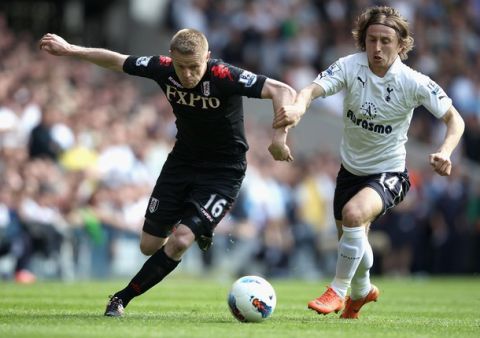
[[387, 16], [189, 41]]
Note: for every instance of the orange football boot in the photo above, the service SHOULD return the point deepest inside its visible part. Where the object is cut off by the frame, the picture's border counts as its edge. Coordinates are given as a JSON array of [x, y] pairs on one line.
[[25, 277], [352, 307], [328, 302]]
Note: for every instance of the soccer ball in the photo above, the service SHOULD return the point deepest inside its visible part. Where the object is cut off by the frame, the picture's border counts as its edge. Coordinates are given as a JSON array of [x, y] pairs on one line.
[[252, 299]]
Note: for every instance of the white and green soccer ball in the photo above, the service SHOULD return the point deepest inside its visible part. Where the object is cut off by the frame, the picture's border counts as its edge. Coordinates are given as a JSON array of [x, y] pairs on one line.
[[252, 299]]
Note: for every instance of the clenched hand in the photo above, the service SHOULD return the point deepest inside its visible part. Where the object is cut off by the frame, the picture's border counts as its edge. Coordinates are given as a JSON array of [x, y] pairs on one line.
[[288, 116], [280, 152], [54, 45], [441, 163]]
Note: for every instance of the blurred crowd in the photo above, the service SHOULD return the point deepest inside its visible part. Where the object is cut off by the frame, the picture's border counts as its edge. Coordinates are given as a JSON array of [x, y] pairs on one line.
[[81, 148]]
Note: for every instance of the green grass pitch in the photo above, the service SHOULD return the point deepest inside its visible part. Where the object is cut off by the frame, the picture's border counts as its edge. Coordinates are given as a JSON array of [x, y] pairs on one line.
[[197, 307]]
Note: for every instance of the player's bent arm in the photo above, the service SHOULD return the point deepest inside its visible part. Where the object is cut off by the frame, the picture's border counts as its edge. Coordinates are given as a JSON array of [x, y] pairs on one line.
[[308, 94], [455, 127], [279, 92], [440, 161], [105, 58]]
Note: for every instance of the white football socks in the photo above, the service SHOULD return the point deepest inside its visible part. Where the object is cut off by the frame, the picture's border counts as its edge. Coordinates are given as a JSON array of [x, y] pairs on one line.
[[351, 249], [361, 280]]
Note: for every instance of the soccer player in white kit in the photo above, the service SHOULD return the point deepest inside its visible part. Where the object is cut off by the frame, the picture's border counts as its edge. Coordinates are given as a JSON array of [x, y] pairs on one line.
[[381, 94]]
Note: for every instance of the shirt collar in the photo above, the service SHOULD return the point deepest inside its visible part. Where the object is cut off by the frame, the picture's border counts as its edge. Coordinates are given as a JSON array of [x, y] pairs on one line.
[[394, 68]]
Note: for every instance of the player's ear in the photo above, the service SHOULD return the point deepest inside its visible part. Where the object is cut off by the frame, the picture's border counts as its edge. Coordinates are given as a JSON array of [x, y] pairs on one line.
[[208, 55]]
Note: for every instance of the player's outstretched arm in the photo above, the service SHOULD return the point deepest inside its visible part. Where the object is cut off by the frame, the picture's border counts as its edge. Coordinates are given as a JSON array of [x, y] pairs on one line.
[[440, 161], [290, 115], [56, 45]]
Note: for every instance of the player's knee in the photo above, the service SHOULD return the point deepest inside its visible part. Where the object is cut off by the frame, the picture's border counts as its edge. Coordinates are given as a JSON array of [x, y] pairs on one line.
[[180, 241], [353, 216], [147, 249], [151, 244], [180, 245]]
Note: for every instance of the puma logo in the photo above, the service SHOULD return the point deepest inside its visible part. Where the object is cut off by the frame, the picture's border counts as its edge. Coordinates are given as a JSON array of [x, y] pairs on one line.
[[361, 81]]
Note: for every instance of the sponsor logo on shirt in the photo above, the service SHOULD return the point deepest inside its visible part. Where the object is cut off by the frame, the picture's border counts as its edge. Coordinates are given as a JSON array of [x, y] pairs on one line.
[[143, 61], [247, 78], [367, 125], [369, 110], [191, 99]]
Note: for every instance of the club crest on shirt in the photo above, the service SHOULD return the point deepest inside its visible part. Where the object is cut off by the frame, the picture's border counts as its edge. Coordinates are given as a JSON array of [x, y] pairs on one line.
[[153, 206], [389, 91], [206, 88]]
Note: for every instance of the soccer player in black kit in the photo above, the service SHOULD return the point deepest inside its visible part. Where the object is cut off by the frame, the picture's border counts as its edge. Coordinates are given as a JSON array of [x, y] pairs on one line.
[[203, 173]]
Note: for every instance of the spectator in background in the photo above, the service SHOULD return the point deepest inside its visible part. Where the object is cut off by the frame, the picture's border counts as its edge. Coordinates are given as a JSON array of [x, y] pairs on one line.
[[449, 226], [474, 223], [42, 142], [381, 95], [14, 239]]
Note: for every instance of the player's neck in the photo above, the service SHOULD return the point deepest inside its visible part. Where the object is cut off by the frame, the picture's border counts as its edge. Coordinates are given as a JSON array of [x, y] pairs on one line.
[[378, 71]]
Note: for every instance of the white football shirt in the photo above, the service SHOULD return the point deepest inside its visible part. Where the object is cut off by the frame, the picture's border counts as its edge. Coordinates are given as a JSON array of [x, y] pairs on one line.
[[377, 111]]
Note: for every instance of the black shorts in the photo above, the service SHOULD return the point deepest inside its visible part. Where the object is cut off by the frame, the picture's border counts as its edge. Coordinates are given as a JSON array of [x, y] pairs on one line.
[[185, 189], [391, 186]]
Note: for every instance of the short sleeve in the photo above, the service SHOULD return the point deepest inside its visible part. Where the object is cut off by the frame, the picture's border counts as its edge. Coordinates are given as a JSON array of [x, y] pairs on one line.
[[332, 79], [237, 81], [147, 66], [432, 96]]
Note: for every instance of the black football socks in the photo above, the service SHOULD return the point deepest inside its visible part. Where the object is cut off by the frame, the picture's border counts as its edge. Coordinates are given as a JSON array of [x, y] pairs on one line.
[[157, 267]]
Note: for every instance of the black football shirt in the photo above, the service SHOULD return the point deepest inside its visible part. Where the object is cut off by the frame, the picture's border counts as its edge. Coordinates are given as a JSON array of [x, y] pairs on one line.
[[209, 117]]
